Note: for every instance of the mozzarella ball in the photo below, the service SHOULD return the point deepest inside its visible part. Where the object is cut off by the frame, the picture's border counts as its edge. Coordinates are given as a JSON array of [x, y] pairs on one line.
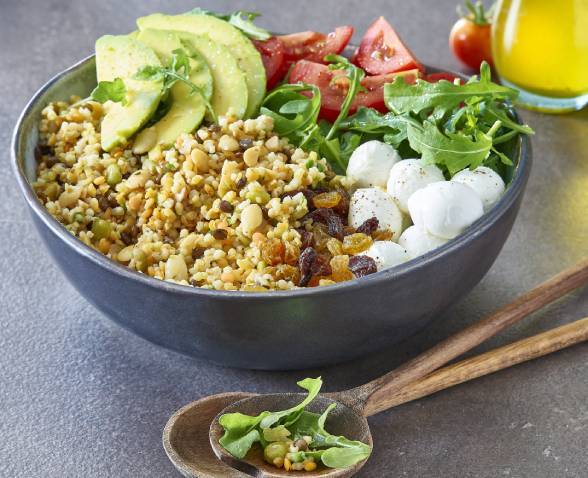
[[417, 241], [370, 164], [374, 202], [445, 209], [408, 176], [386, 254], [485, 181]]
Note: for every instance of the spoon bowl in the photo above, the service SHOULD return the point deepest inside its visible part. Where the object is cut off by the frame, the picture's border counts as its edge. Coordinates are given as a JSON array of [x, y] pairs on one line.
[[343, 420]]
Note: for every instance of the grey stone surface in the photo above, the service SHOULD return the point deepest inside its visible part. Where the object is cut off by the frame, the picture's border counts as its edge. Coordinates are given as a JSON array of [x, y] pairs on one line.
[[81, 397]]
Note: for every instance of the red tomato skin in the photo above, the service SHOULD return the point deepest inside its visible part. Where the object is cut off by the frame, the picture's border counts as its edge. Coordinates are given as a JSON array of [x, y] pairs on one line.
[[382, 51], [314, 46], [332, 96], [272, 56], [471, 43]]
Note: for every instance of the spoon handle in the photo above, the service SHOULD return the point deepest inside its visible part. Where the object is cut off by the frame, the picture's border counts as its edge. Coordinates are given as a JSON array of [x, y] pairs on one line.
[[492, 361], [373, 397]]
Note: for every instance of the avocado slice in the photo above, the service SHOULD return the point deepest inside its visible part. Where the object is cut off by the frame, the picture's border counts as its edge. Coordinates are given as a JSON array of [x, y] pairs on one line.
[[221, 33], [121, 57], [187, 108]]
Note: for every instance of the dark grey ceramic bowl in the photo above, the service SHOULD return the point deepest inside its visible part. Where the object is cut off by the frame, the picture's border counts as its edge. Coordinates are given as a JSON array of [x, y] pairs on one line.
[[273, 330]]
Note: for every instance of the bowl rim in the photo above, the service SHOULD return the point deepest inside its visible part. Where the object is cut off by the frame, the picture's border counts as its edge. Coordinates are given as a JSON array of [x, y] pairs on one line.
[[478, 228]]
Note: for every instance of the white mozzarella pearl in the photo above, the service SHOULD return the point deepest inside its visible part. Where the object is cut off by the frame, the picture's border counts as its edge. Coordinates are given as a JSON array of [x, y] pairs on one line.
[[408, 176], [485, 181], [374, 202], [387, 254], [445, 209], [417, 241], [370, 164]]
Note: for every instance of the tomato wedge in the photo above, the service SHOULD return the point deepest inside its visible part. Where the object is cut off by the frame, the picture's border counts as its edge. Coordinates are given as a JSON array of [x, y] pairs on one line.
[[381, 51], [272, 56], [334, 84], [314, 46]]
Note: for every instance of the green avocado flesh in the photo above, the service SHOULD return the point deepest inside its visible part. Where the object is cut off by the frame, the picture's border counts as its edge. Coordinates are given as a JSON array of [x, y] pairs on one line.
[[187, 108], [225, 35], [121, 57]]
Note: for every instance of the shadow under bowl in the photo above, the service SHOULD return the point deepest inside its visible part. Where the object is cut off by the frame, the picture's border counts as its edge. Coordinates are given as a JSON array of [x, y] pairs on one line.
[[272, 330]]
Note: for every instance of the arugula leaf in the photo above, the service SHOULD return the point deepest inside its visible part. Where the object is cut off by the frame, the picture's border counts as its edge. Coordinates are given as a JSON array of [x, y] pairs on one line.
[[442, 96], [456, 151], [335, 451], [242, 431], [355, 75], [178, 70], [240, 19], [114, 90]]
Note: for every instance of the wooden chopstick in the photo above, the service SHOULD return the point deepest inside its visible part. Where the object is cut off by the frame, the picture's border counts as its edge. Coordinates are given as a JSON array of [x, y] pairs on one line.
[[376, 394], [493, 361]]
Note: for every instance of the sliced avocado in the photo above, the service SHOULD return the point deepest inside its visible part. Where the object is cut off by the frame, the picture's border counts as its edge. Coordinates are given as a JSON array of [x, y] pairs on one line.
[[121, 57], [187, 108], [229, 89], [222, 33]]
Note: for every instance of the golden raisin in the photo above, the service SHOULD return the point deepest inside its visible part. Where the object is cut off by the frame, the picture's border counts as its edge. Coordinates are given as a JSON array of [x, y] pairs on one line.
[[335, 246], [291, 254], [356, 243], [272, 251], [328, 200], [287, 272], [321, 236], [340, 267], [382, 235]]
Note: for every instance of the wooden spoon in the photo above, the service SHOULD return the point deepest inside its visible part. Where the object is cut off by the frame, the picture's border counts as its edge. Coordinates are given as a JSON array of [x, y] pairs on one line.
[[185, 434]]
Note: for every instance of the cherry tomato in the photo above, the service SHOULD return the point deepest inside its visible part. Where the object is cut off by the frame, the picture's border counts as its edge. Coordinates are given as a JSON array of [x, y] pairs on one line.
[[470, 36], [381, 51], [272, 55], [334, 85], [314, 46]]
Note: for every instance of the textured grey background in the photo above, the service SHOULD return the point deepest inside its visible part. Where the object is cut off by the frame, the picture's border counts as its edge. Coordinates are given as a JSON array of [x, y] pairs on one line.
[[81, 397]]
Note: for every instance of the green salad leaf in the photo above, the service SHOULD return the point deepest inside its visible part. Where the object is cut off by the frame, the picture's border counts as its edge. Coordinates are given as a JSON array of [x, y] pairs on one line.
[[114, 90], [240, 19], [334, 451], [242, 431], [443, 95], [456, 151]]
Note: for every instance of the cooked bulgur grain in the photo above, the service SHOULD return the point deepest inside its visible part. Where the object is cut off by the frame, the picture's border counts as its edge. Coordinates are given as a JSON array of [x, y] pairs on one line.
[[223, 208]]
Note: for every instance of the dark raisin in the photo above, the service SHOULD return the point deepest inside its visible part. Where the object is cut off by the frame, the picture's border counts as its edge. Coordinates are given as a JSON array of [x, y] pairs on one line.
[[103, 202], [126, 237], [215, 128], [369, 225], [241, 182], [220, 234], [348, 230], [335, 227], [305, 262], [127, 175], [343, 207], [321, 215], [321, 266], [307, 238], [226, 206], [198, 252], [238, 155], [245, 143], [362, 265]]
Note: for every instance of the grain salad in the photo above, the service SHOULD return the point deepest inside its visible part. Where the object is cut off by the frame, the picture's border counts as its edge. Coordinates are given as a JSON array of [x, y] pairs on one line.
[[207, 159], [225, 208]]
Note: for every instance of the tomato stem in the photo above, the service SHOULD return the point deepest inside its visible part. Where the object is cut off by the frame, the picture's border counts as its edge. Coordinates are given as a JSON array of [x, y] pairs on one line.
[[476, 12]]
